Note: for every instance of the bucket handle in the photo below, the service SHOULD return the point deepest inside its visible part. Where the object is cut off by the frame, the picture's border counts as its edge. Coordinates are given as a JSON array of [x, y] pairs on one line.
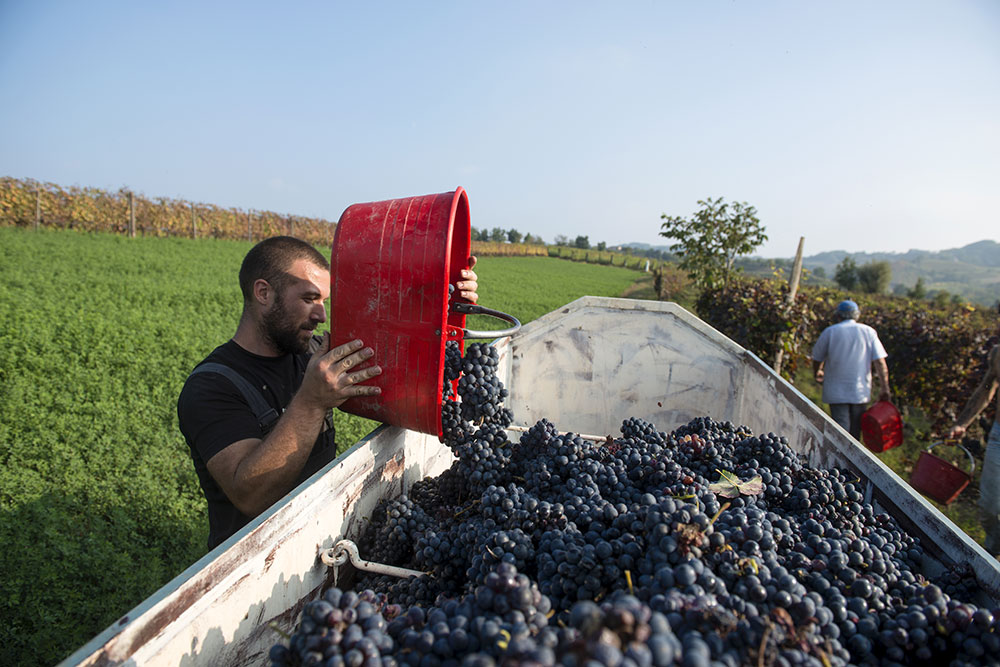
[[972, 461], [473, 309]]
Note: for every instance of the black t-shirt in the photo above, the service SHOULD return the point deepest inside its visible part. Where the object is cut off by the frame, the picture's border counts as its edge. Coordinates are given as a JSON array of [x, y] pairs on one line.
[[214, 414]]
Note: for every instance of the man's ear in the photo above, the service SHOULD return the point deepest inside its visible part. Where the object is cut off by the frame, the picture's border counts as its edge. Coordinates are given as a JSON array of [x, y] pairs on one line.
[[263, 293]]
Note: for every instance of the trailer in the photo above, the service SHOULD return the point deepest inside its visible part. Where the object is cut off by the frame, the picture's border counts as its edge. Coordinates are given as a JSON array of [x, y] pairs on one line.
[[585, 367]]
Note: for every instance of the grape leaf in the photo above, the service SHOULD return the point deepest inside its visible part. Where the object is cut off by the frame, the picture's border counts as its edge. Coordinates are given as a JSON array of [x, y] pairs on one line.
[[730, 486]]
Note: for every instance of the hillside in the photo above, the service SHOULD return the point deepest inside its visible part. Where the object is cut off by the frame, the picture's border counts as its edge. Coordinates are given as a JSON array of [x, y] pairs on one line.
[[972, 271]]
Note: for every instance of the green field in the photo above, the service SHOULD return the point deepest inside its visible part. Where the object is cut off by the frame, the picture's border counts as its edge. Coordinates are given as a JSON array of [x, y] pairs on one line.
[[99, 503]]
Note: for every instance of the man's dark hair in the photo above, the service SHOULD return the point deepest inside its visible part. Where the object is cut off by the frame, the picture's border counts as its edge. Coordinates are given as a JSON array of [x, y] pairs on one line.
[[271, 260]]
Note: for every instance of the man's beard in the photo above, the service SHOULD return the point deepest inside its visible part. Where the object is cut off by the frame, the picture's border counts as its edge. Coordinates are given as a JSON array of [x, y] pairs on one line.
[[281, 329]]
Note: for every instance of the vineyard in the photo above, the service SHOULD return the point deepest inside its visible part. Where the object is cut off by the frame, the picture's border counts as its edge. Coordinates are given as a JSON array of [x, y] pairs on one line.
[[29, 203], [937, 354]]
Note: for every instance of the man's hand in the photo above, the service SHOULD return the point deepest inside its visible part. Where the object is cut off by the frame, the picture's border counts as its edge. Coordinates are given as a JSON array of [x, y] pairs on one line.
[[818, 376], [468, 285], [885, 395], [333, 376], [956, 432]]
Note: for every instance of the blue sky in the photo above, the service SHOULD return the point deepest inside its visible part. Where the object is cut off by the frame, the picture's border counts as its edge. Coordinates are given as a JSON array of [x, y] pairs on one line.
[[861, 126]]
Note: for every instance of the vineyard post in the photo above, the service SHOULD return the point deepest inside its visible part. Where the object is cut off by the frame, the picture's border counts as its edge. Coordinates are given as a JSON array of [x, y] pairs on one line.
[[38, 207], [291, 225], [250, 226], [793, 289], [194, 224], [131, 217]]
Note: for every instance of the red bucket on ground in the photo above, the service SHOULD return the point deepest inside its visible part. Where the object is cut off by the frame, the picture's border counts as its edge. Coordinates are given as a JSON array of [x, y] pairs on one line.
[[939, 479], [882, 427], [391, 264]]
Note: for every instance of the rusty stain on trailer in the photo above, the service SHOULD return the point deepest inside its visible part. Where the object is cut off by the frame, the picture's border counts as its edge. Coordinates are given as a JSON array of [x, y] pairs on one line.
[[352, 497], [393, 468], [269, 558]]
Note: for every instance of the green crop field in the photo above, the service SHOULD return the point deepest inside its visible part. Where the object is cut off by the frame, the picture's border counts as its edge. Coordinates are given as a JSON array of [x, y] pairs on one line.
[[99, 503]]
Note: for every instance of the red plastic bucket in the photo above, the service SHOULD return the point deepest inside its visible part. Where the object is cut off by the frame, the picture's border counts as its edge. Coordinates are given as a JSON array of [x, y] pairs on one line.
[[882, 427], [939, 479], [391, 264]]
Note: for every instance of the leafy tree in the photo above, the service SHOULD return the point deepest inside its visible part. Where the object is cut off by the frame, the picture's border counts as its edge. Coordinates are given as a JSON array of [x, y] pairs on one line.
[[497, 235], [513, 236], [846, 274], [819, 272], [941, 298], [582, 242], [919, 291], [528, 238], [874, 277], [709, 242], [561, 240], [602, 246]]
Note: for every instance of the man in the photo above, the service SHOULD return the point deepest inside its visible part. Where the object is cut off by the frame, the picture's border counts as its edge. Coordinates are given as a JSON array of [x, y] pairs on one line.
[[989, 480], [842, 362], [257, 412]]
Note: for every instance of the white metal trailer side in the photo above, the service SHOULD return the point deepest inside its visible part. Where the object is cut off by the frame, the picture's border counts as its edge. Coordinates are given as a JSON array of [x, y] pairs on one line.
[[585, 367]]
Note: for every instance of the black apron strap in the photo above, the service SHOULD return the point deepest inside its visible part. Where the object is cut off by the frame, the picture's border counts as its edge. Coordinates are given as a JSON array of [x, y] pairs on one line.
[[266, 415]]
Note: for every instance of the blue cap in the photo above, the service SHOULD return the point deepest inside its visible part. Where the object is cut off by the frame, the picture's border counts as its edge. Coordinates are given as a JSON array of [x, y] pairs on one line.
[[848, 309]]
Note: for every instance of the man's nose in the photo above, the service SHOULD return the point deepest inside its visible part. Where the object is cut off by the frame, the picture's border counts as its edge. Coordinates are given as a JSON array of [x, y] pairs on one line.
[[319, 313]]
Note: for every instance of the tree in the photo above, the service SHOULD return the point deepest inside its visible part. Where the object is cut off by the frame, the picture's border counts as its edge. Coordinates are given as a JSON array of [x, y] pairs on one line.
[[497, 235], [602, 246], [561, 240], [582, 242], [819, 272], [874, 277], [846, 273], [919, 291], [710, 241], [513, 236]]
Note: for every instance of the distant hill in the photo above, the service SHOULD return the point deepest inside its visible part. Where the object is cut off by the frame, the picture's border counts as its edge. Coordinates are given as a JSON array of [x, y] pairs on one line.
[[972, 271]]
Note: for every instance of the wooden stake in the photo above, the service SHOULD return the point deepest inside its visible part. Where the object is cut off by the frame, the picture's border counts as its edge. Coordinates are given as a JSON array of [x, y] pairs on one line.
[[131, 217], [793, 289]]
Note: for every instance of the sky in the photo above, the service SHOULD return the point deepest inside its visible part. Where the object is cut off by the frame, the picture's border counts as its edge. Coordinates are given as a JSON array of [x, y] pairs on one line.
[[861, 126]]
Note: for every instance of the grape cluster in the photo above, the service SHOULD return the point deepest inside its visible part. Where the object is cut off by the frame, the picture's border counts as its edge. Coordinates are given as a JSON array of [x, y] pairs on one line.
[[481, 391], [638, 551], [341, 628], [396, 526]]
